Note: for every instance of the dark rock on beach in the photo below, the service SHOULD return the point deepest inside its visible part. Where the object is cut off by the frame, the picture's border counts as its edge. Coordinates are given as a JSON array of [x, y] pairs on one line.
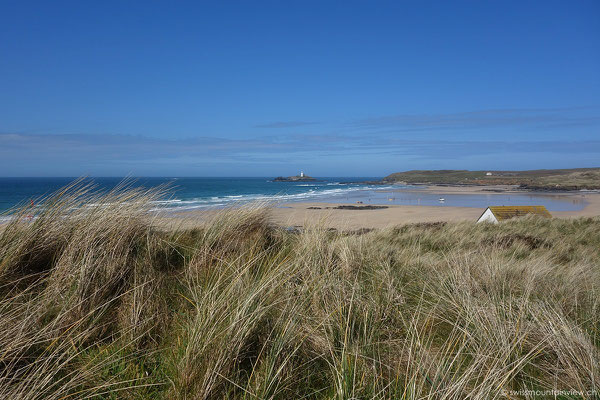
[[343, 207]]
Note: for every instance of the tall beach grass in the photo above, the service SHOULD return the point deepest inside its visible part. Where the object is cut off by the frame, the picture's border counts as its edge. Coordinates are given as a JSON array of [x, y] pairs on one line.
[[98, 301]]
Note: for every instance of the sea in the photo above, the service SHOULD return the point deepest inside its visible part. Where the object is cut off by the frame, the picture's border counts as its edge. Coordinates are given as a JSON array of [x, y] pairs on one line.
[[185, 194]]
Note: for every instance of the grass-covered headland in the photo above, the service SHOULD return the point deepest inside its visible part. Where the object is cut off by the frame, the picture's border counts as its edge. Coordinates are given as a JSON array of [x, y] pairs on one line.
[[97, 302], [540, 179]]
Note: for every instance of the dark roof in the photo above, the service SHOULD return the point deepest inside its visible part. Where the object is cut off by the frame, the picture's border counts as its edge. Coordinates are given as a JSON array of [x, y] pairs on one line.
[[506, 212]]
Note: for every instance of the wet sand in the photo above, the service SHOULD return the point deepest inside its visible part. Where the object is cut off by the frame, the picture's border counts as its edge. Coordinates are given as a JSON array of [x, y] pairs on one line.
[[591, 199]]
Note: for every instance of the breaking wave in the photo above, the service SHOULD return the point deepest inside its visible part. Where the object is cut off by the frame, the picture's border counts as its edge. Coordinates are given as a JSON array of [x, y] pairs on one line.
[[312, 194]]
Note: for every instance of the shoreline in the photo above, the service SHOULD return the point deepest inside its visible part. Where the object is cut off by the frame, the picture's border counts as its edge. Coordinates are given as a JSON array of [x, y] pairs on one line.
[[353, 216], [486, 189], [299, 214], [303, 214]]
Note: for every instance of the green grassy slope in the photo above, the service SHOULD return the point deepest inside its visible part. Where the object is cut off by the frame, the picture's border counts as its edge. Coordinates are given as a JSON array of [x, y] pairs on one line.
[[95, 302], [569, 179]]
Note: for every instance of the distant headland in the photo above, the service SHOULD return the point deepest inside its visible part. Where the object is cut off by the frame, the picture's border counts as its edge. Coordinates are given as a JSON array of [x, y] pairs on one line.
[[550, 180], [541, 179]]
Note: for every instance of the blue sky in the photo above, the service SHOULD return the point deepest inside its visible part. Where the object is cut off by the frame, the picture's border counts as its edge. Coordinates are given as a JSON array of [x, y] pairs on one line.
[[345, 88]]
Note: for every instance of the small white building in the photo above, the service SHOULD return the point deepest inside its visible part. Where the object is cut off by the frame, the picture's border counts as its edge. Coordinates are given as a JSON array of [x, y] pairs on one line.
[[495, 214], [301, 174], [488, 174]]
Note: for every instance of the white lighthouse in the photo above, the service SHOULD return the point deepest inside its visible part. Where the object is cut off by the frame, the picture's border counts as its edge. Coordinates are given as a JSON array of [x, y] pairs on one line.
[[301, 174]]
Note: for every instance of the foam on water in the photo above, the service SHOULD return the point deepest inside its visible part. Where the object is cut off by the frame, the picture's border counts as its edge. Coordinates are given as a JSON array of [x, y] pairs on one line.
[[220, 201]]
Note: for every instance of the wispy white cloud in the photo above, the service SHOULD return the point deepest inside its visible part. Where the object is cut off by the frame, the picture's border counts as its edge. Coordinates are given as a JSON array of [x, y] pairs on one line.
[[372, 139], [22, 146]]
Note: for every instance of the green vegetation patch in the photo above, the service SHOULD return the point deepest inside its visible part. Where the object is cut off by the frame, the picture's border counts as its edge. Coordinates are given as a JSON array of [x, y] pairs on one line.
[[544, 179]]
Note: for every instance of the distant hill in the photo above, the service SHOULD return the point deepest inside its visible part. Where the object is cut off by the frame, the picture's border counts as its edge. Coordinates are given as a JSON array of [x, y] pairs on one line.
[[539, 179]]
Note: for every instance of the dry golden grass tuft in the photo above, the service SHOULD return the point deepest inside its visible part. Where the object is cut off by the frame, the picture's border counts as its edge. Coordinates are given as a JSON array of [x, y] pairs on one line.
[[97, 303]]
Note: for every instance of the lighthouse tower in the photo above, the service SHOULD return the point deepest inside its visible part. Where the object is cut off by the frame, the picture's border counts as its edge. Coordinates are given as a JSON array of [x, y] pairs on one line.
[[301, 174]]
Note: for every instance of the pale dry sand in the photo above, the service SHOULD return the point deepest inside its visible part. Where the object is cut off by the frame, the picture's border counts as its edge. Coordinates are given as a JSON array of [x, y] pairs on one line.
[[299, 214]]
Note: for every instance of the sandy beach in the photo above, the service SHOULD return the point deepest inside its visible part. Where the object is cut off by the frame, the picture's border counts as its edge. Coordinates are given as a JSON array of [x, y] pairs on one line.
[[301, 214]]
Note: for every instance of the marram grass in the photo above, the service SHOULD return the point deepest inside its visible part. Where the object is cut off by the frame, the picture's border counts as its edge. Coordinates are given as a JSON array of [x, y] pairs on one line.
[[96, 302]]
